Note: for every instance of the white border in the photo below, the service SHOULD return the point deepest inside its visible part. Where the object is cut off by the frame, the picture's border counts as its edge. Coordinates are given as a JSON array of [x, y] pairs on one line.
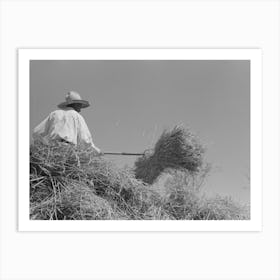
[[254, 55]]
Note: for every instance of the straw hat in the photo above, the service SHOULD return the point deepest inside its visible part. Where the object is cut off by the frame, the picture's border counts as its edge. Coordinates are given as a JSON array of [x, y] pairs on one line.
[[73, 97]]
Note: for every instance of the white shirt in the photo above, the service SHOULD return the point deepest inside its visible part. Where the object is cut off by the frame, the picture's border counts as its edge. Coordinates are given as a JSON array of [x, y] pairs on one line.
[[65, 124]]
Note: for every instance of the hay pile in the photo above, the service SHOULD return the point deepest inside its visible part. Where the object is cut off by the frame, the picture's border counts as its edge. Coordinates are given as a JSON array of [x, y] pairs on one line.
[[178, 149], [183, 200], [68, 183]]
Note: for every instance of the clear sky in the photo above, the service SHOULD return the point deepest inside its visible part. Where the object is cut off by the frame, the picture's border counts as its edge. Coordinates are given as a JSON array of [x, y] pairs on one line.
[[133, 101]]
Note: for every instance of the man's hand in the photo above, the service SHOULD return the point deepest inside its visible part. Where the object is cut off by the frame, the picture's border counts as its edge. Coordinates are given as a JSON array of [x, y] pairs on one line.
[[98, 151]]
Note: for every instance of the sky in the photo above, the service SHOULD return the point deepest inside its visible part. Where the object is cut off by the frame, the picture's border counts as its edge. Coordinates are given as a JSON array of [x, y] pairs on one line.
[[132, 102]]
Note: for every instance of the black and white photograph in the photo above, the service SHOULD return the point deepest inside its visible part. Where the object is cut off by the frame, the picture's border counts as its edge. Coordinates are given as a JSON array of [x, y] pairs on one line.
[[131, 139], [139, 139]]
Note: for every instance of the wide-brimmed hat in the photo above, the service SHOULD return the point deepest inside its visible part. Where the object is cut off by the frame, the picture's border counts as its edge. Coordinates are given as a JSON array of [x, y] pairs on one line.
[[73, 97]]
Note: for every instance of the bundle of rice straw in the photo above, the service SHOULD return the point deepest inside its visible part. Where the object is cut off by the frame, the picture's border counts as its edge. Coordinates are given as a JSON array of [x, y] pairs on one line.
[[176, 149], [67, 182]]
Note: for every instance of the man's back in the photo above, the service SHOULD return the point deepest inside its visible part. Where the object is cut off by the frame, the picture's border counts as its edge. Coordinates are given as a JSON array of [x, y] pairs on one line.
[[67, 125]]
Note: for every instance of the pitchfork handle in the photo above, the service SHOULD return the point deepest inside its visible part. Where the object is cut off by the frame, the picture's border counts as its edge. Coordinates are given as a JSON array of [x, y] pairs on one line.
[[123, 154]]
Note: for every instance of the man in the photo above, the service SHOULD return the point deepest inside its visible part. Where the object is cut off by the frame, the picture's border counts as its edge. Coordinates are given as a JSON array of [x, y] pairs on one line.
[[67, 124]]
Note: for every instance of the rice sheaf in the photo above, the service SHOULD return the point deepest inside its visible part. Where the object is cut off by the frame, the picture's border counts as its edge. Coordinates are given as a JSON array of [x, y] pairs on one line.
[[178, 148]]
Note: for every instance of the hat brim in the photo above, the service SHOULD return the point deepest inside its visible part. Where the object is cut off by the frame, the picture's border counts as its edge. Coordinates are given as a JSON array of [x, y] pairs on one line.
[[66, 104]]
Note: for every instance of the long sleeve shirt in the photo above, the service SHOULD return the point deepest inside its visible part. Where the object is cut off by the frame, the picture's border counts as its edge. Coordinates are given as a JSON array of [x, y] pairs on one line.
[[66, 125]]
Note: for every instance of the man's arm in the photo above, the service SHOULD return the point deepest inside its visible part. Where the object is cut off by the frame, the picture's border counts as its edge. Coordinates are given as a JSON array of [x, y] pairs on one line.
[[95, 148], [85, 137]]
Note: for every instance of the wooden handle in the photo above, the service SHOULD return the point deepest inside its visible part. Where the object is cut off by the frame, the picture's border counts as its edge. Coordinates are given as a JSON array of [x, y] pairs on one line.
[[123, 154]]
